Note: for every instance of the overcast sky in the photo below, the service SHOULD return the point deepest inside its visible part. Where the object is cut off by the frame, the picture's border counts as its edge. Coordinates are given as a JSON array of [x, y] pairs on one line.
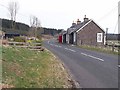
[[61, 13]]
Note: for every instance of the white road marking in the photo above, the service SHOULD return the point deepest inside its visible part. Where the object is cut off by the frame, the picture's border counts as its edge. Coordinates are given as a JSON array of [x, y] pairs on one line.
[[66, 48], [60, 46], [92, 56], [70, 49], [56, 45]]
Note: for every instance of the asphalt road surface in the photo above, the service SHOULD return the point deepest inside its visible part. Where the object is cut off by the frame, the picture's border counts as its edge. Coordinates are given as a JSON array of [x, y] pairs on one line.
[[91, 69]]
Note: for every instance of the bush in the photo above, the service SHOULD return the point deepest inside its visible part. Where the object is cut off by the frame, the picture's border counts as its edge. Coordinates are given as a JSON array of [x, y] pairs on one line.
[[19, 39], [39, 37], [38, 41]]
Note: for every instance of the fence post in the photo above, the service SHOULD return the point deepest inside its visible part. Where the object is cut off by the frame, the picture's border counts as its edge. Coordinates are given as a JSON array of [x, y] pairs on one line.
[[113, 47], [14, 44]]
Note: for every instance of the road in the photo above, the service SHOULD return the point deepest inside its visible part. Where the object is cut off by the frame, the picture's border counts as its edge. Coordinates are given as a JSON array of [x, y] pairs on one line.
[[91, 69]]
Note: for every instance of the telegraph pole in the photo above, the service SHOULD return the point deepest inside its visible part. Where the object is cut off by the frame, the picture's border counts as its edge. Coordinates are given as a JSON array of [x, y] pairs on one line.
[[119, 33], [119, 17], [106, 35]]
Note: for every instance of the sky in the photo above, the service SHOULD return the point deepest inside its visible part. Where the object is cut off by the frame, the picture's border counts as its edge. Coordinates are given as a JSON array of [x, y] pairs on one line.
[[60, 14]]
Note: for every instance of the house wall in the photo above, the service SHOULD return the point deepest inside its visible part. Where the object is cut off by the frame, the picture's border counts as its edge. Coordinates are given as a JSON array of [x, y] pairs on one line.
[[66, 38], [88, 35], [74, 38]]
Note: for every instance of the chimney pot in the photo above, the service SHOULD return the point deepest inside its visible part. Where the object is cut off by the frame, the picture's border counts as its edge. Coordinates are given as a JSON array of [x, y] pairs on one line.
[[73, 24], [85, 19], [78, 21]]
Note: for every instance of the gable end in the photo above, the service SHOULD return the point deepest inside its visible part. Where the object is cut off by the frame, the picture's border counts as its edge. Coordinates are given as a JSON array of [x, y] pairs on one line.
[[89, 23]]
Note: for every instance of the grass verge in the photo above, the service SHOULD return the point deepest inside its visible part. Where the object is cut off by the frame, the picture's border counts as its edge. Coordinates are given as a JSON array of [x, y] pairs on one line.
[[99, 49], [22, 68]]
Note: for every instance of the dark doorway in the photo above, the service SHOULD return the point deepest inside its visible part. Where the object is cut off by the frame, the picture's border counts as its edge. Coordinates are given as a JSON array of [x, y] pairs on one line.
[[64, 38], [71, 38]]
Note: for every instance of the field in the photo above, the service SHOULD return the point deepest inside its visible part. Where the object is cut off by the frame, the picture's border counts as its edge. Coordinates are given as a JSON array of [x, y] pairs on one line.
[[23, 68]]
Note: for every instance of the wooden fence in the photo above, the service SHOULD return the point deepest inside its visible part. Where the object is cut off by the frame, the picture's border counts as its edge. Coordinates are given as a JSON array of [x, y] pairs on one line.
[[114, 45], [34, 46]]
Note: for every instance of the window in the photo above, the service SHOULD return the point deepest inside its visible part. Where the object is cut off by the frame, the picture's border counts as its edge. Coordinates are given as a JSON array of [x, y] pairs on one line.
[[99, 37]]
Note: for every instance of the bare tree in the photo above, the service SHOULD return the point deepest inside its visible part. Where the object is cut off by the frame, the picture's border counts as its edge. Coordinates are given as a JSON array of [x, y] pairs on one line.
[[13, 9], [35, 26]]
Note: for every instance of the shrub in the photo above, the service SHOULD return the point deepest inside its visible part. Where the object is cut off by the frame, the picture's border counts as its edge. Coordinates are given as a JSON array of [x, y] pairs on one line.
[[38, 41], [19, 39]]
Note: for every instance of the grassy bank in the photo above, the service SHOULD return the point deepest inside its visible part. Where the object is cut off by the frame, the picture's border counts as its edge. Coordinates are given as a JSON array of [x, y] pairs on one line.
[[22, 68], [100, 49]]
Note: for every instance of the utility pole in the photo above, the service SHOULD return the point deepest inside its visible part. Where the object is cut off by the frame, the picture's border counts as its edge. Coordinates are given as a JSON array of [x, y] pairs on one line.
[[106, 35], [119, 17], [119, 33]]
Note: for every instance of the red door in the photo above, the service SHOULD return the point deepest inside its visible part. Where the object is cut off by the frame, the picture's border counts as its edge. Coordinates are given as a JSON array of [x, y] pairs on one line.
[[60, 39]]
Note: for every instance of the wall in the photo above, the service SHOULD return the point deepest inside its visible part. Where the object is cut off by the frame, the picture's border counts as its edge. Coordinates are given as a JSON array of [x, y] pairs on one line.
[[67, 38], [88, 35]]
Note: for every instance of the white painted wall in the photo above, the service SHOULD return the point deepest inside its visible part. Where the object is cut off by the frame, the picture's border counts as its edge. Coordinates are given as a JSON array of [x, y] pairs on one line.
[[104, 39], [119, 17], [67, 38], [74, 37]]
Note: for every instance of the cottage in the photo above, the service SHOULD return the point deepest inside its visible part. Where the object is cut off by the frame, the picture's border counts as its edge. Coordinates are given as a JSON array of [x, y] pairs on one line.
[[85, 33]]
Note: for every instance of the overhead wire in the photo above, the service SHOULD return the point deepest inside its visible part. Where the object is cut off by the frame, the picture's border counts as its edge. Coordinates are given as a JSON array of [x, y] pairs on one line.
[[116, 26], [108, 13], [3, 5]]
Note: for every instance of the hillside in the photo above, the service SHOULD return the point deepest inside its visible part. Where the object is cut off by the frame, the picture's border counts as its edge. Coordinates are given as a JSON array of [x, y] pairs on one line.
[[7, 24], [24, 29]]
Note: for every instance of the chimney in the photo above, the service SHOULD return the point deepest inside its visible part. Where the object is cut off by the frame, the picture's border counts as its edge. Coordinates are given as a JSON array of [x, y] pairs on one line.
[[73, 24], [78, 21], [85, 19]]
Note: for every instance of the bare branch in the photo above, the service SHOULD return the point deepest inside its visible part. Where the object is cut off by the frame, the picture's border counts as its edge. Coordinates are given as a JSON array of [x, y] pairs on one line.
[[35, 22], [13, 9], [35, 25]]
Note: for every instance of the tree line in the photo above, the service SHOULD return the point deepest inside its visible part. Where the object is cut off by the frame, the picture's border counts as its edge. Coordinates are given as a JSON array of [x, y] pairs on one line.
[[19, 26], [26, 29]]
